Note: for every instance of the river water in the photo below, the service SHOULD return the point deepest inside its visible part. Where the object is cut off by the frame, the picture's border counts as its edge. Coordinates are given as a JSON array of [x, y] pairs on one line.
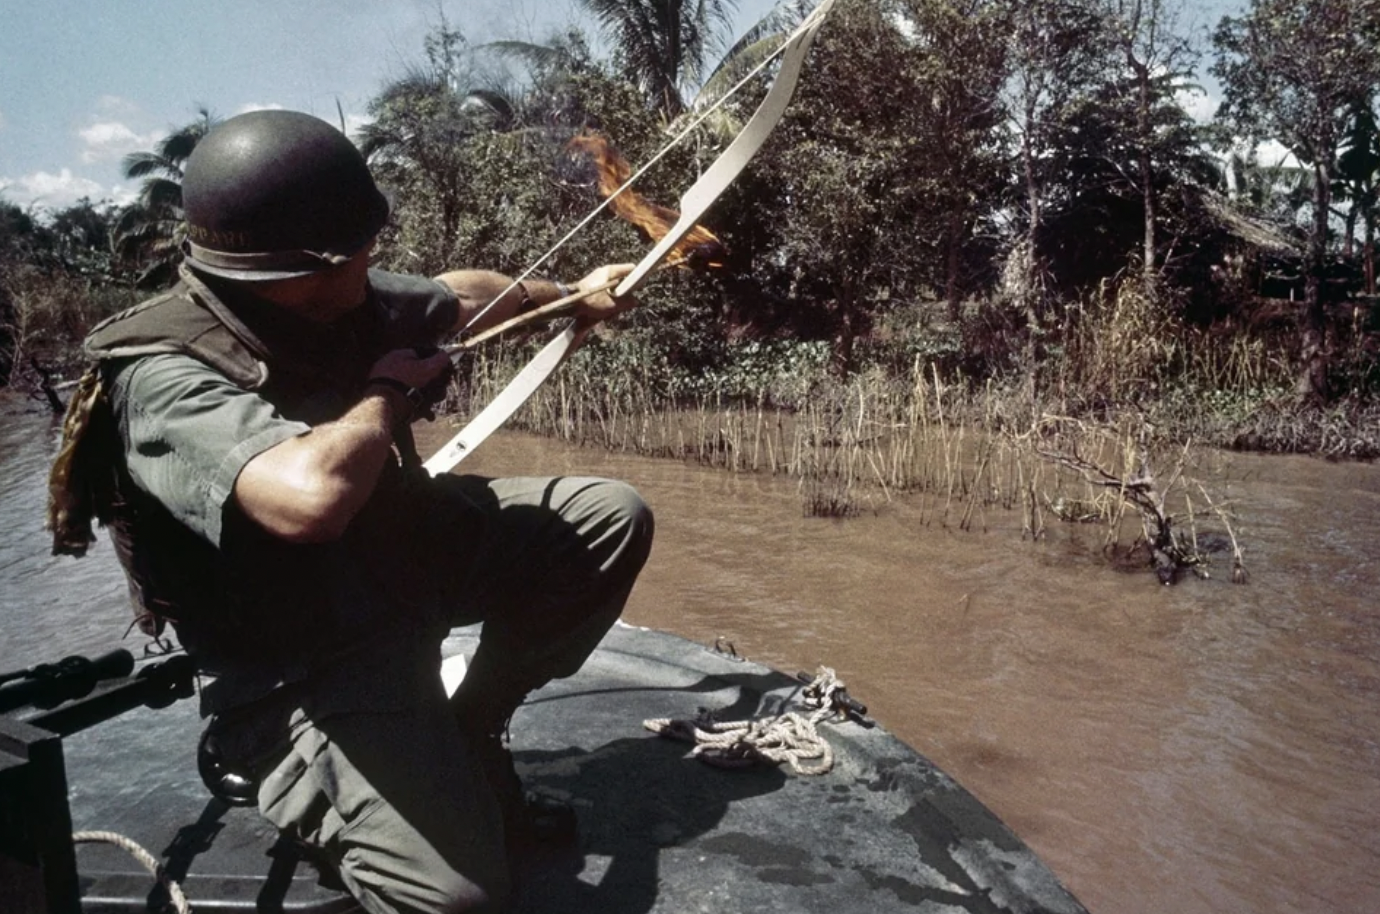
[[1203, 748]]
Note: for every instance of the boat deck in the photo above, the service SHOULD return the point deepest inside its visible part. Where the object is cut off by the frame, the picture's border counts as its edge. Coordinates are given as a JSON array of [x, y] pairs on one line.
[[885, 830]]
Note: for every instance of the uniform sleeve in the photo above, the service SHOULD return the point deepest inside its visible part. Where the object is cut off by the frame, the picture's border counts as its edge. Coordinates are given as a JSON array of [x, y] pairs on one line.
[[188, 432], [420, 310]]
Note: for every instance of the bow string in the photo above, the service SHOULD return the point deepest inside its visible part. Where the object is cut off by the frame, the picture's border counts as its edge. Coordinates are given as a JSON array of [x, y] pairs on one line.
[[693, 204]]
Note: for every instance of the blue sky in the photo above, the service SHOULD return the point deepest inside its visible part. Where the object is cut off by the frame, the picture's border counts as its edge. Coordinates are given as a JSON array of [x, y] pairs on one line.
[[83, 82]]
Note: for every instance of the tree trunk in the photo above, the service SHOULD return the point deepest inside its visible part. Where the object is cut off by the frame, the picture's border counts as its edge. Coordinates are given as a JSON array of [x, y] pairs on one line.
[[1030, 297], [1147, 173], [850, 322], [1312, 382], [1369, 251], [951, 283]]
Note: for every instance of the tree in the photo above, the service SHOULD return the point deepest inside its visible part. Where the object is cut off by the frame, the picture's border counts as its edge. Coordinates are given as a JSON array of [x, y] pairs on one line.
[[1054, 50], [57, 278], [1117, 189], [149, 233], [1294, 70], [958, 70], [1357, 182], [418, 141], [414, 145], [1156, 59], [664, 47], [471, 154], [868, 195]]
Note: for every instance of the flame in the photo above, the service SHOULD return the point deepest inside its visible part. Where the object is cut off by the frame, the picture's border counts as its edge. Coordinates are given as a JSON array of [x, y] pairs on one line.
[[699, 249]]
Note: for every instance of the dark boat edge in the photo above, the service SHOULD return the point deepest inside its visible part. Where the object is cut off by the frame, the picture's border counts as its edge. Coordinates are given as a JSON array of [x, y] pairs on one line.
[[884, 830]]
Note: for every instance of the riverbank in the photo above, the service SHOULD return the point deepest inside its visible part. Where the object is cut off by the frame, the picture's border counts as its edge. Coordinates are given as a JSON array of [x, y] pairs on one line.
[[958, 450]]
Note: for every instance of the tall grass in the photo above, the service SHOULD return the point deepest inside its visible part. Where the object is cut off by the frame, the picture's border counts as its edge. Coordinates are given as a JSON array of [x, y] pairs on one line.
[[958, 450]]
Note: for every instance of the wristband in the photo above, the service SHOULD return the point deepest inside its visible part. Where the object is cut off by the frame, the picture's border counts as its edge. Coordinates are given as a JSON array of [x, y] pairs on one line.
[[413, 395]]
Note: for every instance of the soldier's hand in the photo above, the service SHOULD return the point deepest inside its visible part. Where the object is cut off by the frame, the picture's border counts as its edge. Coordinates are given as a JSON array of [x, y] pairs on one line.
[[427, 370], [413, 367], [602, 305]]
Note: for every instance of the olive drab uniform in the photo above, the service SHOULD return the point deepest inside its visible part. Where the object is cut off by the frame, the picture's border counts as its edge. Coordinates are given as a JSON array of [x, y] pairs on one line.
[[212, 590], [322, 658]]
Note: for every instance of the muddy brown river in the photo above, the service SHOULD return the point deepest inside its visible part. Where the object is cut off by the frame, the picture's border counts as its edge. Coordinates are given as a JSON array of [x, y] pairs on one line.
[[1200, 748]]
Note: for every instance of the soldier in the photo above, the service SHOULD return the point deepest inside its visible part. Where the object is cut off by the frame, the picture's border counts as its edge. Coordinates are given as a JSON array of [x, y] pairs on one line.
[[246, 437]]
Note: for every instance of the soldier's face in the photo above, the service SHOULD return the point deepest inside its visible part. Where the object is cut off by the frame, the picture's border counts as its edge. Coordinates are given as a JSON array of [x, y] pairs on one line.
[[339, 290]]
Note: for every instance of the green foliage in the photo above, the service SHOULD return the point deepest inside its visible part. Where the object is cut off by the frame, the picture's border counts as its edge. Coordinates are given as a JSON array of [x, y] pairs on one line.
[[871, 223], [58, 277], [663, 47], [978, 188], [866, 199], [1096, 214], [148, 234], [480, 177], [1291, 70], [1296, 70]]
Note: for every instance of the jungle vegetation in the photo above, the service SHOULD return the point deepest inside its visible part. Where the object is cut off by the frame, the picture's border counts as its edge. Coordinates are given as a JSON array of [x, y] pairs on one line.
[[994, 195]]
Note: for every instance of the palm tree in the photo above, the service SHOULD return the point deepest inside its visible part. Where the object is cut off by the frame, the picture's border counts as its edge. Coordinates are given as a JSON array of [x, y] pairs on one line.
[[759, 42], [665, 47], [150, 231], [417, 136]]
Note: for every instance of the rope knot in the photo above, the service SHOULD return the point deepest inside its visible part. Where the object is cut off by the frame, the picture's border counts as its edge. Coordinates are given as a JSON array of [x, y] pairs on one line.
[[786, 737]]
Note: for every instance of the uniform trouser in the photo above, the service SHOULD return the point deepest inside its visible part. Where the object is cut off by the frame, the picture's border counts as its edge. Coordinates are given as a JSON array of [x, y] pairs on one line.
[[398, 800]]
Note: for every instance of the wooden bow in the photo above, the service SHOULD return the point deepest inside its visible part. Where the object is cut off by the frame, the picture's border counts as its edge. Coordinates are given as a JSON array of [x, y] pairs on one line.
[[693, 204]]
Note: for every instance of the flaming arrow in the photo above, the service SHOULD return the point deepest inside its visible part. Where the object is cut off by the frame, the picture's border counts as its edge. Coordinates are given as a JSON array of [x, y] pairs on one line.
[[698, 250], [693, 205]]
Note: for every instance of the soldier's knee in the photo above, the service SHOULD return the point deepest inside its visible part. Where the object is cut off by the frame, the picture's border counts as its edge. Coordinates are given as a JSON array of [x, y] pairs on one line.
[[635, 518], [452, 893]]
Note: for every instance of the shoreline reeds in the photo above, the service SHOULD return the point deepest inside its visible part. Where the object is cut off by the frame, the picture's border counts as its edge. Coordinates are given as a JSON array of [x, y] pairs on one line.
[[855, 444]]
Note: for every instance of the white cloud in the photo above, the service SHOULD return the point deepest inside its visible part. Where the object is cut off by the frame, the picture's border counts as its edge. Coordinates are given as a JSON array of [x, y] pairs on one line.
[[45, 191], [1275, 154], [122, 195], [2, 120], [107, 140], [354, 122], [1200, 105]]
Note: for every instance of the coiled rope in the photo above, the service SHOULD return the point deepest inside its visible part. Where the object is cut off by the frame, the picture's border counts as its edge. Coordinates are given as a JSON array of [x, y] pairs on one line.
[[148, 861], [787, 737]]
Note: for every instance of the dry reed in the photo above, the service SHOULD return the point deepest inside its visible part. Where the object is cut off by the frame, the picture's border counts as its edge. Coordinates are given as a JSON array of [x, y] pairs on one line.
[[857, 443]]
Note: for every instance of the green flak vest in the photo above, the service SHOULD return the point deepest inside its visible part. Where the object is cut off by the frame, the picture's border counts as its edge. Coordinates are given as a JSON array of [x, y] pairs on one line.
[[173, 573], [89, 481]]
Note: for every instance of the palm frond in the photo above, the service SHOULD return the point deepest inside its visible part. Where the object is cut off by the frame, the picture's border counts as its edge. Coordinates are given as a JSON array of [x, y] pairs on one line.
[[535, 56], [161, 193], [144, 164], [498, 108], [754, 46]]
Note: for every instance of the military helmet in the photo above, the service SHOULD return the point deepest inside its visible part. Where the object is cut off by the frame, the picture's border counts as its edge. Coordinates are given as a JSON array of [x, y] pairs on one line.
[[277, 194]]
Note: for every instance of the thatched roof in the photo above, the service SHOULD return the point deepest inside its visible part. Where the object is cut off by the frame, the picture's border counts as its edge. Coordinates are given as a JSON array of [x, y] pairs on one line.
[[1255, 232]]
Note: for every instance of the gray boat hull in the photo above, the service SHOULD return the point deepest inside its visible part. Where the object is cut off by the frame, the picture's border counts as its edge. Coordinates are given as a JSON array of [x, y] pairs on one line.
[[885, 830]]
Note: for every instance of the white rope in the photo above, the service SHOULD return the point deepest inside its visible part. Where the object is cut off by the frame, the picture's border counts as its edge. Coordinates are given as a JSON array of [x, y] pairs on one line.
[[787, 737], [148, 861]]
